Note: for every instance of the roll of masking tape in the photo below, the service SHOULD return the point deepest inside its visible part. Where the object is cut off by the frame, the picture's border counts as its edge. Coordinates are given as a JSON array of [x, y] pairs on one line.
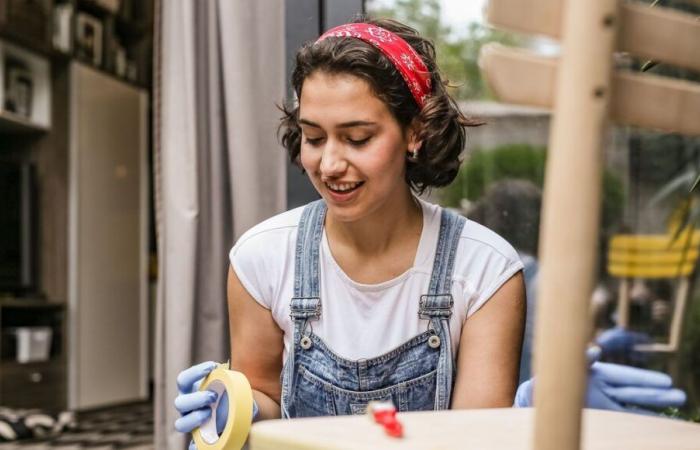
[[240, 411]]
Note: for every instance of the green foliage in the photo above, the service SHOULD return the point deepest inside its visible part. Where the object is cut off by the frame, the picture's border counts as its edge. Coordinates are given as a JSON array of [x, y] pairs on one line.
[[675, 413], [457, 56], [521, 161], [508, 161]]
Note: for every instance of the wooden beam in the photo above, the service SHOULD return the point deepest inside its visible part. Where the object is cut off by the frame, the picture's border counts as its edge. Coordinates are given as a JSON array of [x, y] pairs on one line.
[[659, 34], [541, 17], [519, 76], [570, 220], [641, 100], [623, 304]]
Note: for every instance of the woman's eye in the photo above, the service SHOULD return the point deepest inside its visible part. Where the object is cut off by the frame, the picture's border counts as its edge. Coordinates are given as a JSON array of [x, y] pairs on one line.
[[313, 141], [359, 142]]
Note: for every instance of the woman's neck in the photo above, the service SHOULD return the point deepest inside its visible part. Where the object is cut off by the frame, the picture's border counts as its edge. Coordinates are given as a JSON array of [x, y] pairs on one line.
[[394, 223]]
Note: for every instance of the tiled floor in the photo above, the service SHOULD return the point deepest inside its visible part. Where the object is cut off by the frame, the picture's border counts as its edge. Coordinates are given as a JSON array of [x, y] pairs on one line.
[[123, 427]]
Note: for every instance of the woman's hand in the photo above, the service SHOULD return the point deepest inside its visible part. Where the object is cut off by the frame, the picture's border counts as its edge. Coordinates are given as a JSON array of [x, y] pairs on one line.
[[617, 387], [193, 405]]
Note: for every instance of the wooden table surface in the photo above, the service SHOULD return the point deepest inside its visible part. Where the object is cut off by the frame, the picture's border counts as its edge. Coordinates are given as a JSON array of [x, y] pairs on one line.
[[509, 428]]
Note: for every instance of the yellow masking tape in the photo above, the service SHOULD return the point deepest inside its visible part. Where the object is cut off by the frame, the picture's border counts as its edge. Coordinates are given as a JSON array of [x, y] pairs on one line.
[[240, 411]]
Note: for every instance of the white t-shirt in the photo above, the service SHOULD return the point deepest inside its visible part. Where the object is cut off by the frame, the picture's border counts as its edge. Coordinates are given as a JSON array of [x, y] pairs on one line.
[[368, 320]]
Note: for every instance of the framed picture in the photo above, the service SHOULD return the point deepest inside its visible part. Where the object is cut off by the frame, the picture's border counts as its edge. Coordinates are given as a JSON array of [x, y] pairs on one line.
[[110, 5], [88, 38], [18, 88]]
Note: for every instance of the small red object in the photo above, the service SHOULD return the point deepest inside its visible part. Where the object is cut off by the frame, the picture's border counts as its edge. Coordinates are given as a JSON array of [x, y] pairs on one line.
[[384, 413], [394, 429]]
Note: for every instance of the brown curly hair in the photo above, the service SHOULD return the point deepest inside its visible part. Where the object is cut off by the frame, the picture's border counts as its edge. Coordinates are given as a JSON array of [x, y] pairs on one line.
[[440, 124]]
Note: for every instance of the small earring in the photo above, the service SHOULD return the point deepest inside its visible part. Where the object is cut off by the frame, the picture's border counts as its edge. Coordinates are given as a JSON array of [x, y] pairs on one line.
[[412, 154]]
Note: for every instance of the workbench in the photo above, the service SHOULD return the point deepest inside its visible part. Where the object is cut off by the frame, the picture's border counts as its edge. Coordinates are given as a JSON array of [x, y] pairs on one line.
[[485, 429]]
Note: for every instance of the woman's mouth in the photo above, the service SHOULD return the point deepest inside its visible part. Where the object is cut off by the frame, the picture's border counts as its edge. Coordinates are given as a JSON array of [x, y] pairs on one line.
[[343, 188], [343, 192]]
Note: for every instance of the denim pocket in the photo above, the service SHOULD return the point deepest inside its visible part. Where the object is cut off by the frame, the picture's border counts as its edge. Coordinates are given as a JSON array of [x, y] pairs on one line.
[[416, 394], [311, 397]]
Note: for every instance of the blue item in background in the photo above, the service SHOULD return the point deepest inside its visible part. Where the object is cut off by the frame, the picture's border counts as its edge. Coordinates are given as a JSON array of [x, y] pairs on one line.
[[618, 345]]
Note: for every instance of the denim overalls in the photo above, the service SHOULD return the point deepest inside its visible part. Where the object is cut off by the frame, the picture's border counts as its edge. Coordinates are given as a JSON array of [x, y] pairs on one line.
[[417, 375]]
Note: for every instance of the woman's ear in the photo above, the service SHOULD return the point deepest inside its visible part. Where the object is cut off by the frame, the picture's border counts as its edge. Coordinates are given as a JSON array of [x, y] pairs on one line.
[[413, 137]]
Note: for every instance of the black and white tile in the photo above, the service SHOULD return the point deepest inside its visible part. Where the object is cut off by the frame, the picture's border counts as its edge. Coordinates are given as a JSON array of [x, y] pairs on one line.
[[128, 427]]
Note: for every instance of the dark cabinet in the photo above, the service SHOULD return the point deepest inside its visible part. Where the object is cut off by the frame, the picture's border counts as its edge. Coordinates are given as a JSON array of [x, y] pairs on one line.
[[40, 382]]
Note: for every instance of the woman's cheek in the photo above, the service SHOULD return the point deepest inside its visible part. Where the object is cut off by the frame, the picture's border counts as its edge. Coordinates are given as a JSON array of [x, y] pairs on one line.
[[306, 157]]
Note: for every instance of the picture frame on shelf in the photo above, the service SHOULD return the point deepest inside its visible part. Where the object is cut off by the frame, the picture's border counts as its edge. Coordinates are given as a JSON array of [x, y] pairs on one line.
[[110, 5], [89, 38], [62, 18], [19, 87]]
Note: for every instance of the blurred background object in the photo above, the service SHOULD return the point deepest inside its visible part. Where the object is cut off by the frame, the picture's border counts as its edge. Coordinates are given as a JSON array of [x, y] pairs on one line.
[[646, 181]]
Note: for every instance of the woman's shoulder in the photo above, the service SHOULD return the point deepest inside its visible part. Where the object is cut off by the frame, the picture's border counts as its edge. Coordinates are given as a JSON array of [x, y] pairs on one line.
[[477, 236], [271, 232], [282, 222], [264, 253], [474, 237]]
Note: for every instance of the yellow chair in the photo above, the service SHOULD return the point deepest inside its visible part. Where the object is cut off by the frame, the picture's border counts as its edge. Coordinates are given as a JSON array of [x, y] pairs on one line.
[[655, 257]]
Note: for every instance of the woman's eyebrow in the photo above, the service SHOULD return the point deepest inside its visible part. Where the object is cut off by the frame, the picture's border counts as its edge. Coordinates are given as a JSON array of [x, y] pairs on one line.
[[309, 123], [354, 123]]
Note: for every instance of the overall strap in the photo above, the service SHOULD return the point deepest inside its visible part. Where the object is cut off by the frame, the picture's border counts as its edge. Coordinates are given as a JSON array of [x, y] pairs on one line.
[[451, 226], [437, 304], [306, 257], [305, 304]]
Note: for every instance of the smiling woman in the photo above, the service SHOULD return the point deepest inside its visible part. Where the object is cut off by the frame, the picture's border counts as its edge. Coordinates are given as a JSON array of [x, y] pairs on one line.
[[355, 151], [371, 293]]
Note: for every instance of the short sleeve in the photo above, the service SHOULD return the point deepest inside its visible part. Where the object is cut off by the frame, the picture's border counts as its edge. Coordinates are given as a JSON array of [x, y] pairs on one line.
[[248, 261], [488, 262], [263, 258]]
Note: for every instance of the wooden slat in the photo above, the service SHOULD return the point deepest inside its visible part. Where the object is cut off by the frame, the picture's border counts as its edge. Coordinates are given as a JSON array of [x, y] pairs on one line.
[[678, 314], [637, 271], [519, 76], [623, 303], [527, 16], [653, 258], [651, 101], [654, 348], [641, 100], [651, 242], [660, 34]]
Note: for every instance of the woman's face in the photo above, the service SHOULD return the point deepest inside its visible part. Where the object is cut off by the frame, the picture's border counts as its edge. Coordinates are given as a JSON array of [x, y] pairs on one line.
[[352, 147]]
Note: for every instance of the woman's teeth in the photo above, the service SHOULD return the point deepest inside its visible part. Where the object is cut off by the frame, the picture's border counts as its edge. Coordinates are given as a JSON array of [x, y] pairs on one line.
[[343, 187]]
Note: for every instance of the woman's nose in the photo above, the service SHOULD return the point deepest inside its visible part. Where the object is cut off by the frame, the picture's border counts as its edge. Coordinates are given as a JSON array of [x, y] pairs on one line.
[[333, 160]]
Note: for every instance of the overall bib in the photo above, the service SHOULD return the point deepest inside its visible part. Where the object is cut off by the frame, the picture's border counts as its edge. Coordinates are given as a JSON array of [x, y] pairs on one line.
[[417, 375]]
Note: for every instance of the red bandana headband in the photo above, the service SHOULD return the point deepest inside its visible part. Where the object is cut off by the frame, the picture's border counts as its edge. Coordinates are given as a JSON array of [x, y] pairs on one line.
[[399, 52]]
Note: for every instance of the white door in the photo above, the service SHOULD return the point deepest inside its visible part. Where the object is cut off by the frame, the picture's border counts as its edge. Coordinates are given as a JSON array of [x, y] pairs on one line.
[[107, 241]]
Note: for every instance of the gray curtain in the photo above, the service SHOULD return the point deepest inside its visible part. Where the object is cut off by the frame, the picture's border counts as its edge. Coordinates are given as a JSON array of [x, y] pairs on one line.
[[219, 72]]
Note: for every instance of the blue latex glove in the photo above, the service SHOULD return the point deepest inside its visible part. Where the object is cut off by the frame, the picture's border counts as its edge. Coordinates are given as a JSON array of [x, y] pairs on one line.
[[618, 344], [619, 388], [195, 405]]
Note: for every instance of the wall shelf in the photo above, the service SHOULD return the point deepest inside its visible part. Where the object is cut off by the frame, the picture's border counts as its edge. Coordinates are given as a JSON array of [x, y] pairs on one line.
[[13, 123]]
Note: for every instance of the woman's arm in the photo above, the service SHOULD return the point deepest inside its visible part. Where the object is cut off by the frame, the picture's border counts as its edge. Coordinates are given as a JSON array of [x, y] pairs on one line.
[[489, 350], [257, 344]]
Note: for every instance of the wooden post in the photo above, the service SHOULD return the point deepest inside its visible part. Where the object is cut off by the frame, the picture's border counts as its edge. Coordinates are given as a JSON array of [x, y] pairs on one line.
[[570, 220], [623, 304]]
